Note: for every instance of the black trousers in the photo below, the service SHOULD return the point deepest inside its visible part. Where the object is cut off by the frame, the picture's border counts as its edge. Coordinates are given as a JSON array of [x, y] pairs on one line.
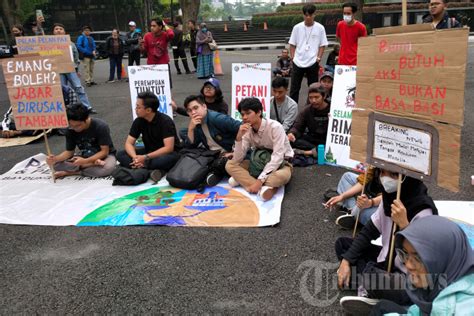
[[305, 142], [134, 57], [297, 73], [194, 57], [373, 276], [386, 307], [165, 162], [180, 54]]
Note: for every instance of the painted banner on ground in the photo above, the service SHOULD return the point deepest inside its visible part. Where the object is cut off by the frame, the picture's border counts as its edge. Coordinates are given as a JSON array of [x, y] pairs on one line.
[[338, 140], [57, 46], [154, 78], [34, 89], [412, 74], [251, 80], [27, 199]]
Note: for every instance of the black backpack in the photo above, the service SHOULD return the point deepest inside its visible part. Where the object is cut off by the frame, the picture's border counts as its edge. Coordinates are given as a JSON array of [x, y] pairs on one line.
[[192, 168], [126, 176]]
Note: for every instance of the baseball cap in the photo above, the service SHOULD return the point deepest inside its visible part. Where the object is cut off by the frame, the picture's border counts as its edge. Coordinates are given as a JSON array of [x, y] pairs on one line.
[[327, 74], [213, 82], [131, 23]]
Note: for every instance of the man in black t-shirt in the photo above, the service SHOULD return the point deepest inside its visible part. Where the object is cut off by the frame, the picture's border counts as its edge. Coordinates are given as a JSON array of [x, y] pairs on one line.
[[159, 137], [96, 153]]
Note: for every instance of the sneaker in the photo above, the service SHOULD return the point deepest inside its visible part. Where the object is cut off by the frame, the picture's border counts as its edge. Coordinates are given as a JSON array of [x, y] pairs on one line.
[[330, 193], [212, 179], [156, 175], [92, 111], [110, 81], [233, 183], [346, 221], [356, 305], [266, 193]]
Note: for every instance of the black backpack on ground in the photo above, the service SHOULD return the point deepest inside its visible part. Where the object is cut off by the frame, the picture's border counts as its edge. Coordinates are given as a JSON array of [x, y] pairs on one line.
[[192, 168], [126, 176]]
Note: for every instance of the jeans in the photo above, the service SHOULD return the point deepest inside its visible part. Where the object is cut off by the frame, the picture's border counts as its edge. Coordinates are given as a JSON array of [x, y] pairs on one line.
[[297, 74], [165, 162], [348, 180], [115, 63], [134, 56], [73, 79]]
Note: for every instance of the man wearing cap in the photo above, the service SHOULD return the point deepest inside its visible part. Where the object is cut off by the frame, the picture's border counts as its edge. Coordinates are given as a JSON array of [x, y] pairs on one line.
[[327, 80], [133, 46]]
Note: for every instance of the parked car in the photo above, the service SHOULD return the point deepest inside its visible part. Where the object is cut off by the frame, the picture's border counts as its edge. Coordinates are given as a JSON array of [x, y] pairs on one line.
[[101, 36], [5, 51]]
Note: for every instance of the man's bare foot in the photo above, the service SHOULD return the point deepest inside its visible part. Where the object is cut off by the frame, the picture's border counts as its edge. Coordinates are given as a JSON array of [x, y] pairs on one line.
[[99, 162], [267, 193], [62, 174]]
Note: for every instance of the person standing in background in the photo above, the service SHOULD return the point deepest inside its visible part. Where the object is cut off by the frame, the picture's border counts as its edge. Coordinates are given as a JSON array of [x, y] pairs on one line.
[[87, 48], [114, 46], [192, 44], [348, 33], [133, 46]]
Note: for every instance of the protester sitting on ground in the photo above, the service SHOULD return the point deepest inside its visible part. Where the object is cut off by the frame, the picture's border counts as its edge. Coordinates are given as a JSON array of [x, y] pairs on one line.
[[332, 60], [96, 155], [72, 78], [364, 205], [9, 128], [282, 108], [159, 138], [283, 65], [115, 46], [327, 80], [371, 261], [212, 95], [269, 167], [313, 118], [440, 266], [212, 130]]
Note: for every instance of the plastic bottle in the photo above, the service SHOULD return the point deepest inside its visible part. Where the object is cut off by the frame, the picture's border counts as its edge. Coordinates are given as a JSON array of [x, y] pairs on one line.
[[321, 159]]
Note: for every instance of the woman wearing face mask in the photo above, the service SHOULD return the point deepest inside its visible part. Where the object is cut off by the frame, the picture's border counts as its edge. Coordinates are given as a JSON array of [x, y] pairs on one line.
[[205, 56], [371, 261], [440, 264]]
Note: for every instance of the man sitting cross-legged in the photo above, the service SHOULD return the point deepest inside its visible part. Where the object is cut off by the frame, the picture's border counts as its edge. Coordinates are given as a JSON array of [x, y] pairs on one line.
[[159, 137], [214, 131], [259, 133], [96, 156]]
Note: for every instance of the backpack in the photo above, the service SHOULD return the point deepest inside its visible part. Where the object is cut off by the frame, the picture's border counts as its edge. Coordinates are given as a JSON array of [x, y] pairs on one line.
[[192, 168], [258, 159], [126, 176]]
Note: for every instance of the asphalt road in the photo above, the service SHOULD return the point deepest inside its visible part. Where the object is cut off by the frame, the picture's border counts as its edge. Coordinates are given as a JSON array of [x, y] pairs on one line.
[[185, 270]]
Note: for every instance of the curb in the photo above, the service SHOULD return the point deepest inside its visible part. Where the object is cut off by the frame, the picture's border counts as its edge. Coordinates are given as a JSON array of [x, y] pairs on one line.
[[265, 46]]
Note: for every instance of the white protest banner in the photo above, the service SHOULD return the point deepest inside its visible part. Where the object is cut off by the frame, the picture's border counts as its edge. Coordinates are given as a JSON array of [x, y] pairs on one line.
[[251, 80], [338, 140], [154, 78]]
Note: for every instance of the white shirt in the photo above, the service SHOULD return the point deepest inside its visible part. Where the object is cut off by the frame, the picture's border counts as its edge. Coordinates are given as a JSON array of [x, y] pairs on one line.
[[308, 40]]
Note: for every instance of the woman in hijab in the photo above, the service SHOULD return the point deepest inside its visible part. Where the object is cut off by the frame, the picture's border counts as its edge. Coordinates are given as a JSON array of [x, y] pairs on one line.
[[205, 62], [371, 261], [440, 264]]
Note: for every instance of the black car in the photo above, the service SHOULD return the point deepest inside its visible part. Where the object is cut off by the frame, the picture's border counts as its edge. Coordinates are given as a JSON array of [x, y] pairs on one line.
[[101, 36], [5, 51]]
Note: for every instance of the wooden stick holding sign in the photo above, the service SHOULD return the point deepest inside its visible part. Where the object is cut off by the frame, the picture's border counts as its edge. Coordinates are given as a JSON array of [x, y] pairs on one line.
[[48, 150], [363, 191], [394, 228]]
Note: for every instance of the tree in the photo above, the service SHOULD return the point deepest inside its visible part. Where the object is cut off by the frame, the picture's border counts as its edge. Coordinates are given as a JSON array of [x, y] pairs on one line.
[[190, 10]]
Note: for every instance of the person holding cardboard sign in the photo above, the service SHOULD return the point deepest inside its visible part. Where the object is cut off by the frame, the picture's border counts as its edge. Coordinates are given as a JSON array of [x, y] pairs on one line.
[[96, 156], [440, 272], [370, 260]]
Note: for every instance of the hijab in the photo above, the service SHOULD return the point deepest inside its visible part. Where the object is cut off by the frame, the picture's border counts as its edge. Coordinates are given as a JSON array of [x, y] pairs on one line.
[[414, 196], [444, 249]]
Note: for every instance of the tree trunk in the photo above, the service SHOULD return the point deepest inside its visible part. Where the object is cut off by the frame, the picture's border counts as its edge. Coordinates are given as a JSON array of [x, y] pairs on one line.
[[190, 10], [9, 8], [115, 15]]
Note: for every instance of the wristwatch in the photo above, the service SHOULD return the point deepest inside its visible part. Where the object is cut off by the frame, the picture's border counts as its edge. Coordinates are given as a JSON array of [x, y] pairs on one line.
[[147, 157]]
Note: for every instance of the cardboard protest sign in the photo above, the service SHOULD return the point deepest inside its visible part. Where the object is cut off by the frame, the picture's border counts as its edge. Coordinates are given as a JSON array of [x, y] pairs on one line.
[[340, 120], [251, 80], [19, 141], [35, 93], [413, 74], [416, 74], [154, 78], [57, 46]]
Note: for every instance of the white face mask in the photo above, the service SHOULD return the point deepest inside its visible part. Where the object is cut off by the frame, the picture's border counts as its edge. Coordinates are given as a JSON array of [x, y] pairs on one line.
[[347, 18], [389, 184]]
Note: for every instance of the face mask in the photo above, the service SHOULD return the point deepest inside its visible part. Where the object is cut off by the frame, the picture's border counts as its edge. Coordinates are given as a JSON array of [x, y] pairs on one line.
[[204, 29], [347, 18], [389, 184]]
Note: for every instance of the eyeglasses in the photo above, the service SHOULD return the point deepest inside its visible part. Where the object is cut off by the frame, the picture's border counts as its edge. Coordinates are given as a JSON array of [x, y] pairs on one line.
[[209, 87], [434, 4], [405, 256]]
